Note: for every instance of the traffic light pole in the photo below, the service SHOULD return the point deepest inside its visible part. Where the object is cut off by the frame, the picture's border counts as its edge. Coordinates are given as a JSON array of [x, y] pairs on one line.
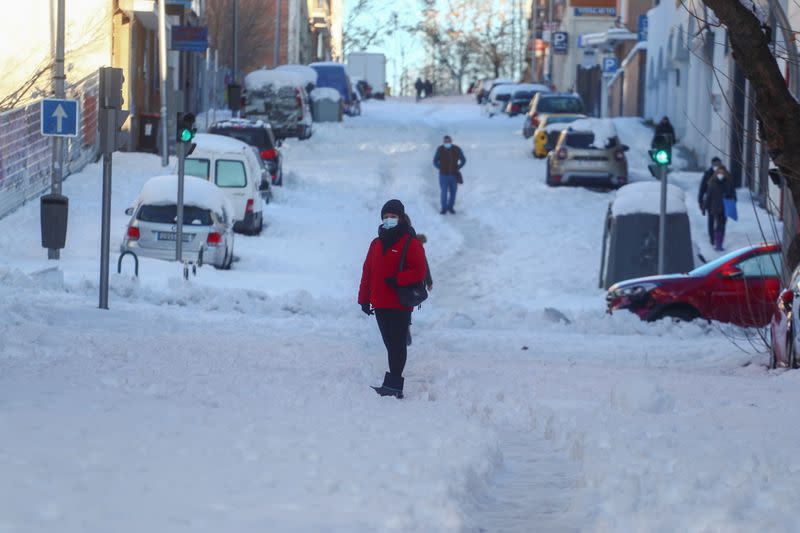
[[105, 231], [662, 221], [181, 149]]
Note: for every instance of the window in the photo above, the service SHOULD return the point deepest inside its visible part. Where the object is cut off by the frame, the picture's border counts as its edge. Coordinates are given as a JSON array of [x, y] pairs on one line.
[[761, 266], [196, 167], [168, 214], [230, 173], [580, 140]]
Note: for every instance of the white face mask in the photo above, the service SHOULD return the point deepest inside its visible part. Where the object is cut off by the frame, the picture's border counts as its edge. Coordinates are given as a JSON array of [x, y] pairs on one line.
[[720, 177], [448, 145], [389, 223]]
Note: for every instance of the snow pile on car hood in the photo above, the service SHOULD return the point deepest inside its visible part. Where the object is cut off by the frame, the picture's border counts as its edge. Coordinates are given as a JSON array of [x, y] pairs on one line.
[[258, 79], [211, 142], [304, 73], [197, 192], [325, 93], [645, 198], [559, 126], [603, 130]]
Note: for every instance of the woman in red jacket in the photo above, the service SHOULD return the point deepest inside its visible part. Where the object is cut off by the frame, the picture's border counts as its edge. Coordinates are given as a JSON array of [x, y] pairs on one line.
[[379, 282]]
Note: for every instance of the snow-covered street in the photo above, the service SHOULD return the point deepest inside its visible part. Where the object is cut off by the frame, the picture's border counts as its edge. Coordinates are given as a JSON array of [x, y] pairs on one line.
[[239, 400]]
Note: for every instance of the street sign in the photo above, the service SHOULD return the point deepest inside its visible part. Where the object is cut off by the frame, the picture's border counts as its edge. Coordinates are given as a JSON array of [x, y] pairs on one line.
[[595, 11], [642, 28], [190, 38], [610, 65], [59, 118], [560, 42]]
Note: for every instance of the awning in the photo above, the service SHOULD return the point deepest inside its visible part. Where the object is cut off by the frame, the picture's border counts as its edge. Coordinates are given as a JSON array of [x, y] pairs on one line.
[[606, 39]]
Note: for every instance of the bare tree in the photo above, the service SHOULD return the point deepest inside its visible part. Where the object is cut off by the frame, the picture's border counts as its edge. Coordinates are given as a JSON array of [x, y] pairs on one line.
[[777, 109], [496, 37], [256, 31], [364, 27]]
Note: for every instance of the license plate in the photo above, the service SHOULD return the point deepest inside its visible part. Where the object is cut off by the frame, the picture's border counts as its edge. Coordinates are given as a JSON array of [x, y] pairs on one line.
[[172, 236], [590, 164]]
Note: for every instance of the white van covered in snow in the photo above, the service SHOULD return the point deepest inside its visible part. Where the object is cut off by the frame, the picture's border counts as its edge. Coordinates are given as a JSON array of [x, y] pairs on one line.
[[233, 166]]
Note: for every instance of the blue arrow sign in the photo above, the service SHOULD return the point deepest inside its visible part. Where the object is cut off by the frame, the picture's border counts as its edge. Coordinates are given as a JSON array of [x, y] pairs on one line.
[[59, 118]]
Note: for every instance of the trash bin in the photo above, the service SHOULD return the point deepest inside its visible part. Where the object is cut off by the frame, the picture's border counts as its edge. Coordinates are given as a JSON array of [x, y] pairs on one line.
[[630, 235], [54, 209], [147, 140], [325, 110]]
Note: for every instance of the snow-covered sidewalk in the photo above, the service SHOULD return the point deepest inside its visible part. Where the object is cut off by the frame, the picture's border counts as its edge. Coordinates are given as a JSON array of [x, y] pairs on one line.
[[239, 400]]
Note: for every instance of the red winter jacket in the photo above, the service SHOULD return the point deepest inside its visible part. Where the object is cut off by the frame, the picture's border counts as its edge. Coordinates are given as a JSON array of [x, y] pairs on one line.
[[379, 266]]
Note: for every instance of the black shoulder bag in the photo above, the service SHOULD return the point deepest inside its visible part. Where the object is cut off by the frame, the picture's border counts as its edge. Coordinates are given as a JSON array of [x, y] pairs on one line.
[[414, 294]]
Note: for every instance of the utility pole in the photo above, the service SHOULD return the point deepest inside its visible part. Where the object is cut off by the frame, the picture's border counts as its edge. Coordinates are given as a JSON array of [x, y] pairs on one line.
[[162, 68], [550, 44], [277, 53], [235, 42], [662, 221], [58, 87], [534, 23]]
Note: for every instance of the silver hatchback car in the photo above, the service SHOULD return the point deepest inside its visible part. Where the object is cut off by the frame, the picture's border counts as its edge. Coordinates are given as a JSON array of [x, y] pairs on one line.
[[579, 158], [207, 223]]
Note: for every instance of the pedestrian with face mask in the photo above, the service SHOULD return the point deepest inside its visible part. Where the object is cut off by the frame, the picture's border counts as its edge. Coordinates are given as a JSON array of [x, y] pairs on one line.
[[701, 196], [720, 187], [449, 159], [380, 279]]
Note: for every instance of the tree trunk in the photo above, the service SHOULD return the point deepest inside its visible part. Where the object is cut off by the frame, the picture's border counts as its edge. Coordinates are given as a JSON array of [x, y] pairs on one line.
[[777, 109]]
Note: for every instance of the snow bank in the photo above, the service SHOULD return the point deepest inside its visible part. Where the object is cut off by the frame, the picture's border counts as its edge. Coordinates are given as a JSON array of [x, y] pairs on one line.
[[602, 128], [304, 73], [326, 93], [258, 79], [645, 198], [163, 190]]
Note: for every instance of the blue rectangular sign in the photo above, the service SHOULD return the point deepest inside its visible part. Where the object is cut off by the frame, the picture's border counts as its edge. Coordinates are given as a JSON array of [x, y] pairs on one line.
[[190, 38], [560, 40], [59, 118], [595, 11], [642, 28], [610, 65]]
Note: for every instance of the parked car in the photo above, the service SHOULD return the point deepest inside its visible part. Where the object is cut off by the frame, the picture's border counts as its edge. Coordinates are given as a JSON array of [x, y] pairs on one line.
[[521, 98], [259, 134], [334, 75], [548, 103], [207, 222], [486, 86], [279, 97], [785, 326], [739, 288], [549, 130], [234, 167], [498, 100], [588, 153]]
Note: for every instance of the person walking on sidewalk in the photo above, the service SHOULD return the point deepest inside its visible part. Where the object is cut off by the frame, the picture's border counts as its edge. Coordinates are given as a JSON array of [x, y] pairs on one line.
[[449, 159], [701, 195], [419, 86], [720, 187], [380, 279]]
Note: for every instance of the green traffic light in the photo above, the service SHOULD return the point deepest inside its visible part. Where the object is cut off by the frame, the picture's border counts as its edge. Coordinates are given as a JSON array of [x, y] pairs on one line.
[[661, 157], [186, 135]]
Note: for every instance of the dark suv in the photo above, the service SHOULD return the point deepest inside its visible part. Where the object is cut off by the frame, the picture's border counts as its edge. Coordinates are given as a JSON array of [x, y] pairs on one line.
[[259, 134]]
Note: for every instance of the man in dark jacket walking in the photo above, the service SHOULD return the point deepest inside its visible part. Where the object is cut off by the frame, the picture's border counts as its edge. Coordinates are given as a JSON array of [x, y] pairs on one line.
[[701, 196], [449, 159], [720, 187], [419, 86]]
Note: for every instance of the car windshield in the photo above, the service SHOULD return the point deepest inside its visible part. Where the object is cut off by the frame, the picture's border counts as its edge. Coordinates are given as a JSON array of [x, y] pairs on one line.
[[711, 266], [561, 120], [230, 173], [196, 167], [565, 104], [582, 140], [168, 214], [253, 136], [524, 95], [502, 97]]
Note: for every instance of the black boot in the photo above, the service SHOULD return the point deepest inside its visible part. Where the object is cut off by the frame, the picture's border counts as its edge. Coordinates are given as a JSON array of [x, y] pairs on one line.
[[392, 386]]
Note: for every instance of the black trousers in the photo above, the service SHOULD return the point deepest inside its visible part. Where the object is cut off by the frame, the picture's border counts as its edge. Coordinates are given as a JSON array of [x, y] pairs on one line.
[[393, 324], [716, 222]]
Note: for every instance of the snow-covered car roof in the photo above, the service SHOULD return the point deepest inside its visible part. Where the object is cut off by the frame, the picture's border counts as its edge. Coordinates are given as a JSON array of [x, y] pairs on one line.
[[645, 198], [503, 89], [197, 192], [304, 72], [240, 123], [529, 87], [258, 79], [602, 128], [326, 64], [210, 142], [326, 93]]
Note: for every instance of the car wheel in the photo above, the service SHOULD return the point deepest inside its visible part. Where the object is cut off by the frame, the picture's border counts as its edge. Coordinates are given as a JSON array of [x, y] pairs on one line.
[[221, 266], [547, 176], [773, 357], [229, 263], [678, 313], [790, 352]]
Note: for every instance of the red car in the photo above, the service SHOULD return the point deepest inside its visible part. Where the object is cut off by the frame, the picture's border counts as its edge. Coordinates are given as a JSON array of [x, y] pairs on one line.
[[785, 326], [740, 288]]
